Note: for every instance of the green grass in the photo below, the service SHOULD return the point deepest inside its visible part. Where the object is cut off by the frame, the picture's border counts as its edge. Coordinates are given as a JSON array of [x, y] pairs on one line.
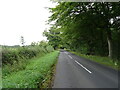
[[102, 60], [49, 80], [0, 78], [34, 73], [18, 65]]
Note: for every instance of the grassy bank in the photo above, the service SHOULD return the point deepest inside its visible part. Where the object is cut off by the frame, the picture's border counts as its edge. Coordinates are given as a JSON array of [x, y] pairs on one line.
[[0, 78], [34, 73], [49, 80], [102, 60], [16, 58]]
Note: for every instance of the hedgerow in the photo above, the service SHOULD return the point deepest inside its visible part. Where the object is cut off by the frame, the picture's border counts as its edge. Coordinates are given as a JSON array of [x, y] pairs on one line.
[[11, 55]]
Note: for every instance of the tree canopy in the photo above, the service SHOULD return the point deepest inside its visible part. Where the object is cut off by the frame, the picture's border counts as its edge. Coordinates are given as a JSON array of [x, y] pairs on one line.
[[91, 28]]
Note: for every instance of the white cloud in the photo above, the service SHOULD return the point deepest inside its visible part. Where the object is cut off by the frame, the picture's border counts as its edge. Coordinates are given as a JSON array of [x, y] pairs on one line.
[[23, 17]]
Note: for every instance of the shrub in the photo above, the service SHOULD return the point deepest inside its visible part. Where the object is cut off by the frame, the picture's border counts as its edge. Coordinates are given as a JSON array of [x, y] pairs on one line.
[[11, 55]]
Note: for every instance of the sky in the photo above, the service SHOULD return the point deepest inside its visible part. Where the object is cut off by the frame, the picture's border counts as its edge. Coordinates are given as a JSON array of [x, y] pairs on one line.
[[25, 18]]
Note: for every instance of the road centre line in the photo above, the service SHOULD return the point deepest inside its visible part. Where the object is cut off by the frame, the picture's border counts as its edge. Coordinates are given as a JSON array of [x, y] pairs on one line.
[[83, 66], [70, 56], [66, 53]]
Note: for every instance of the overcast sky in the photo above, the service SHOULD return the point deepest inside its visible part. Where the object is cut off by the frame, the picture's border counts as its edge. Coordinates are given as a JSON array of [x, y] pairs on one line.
[[23, 18]]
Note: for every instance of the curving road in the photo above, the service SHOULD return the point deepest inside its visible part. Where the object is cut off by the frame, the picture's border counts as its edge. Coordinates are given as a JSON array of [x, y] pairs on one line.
[[76, 72]]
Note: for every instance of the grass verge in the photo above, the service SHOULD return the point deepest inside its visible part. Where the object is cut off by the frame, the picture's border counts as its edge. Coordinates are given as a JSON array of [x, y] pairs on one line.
[[18, 66], [49, 80], [34, 73], [0, 78], [102, 60]]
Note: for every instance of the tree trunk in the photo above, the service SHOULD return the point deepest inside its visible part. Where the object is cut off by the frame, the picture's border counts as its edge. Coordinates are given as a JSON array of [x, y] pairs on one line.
[[110, 48], [109, 39]]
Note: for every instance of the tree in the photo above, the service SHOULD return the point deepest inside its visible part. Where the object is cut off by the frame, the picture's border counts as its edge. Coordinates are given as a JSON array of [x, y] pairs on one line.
[[53, 35], [33, 43], [22, 41], [88, 25]]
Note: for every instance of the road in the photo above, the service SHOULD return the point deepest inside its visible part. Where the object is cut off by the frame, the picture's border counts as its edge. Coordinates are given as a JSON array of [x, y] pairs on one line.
[[76, 72]]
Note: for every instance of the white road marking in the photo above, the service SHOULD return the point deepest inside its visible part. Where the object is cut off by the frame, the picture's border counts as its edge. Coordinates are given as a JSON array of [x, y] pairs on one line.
[[65, 52], [83, 66], [70, 56]]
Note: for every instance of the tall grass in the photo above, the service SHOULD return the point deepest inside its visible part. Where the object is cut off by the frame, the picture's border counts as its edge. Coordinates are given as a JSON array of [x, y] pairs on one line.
[[0, 78], [34, 73], [0, 67], [26, 66], [15, 59]]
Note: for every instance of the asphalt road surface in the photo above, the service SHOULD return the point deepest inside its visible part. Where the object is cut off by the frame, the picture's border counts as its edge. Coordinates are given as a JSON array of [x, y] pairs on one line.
[[76, 72]]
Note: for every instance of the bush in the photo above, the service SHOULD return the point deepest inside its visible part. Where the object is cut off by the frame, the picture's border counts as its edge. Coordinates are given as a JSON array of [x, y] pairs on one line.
[[8, 56], [11, 55]]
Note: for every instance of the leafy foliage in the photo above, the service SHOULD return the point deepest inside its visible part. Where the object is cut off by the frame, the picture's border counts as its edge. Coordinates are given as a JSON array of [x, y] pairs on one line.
[[12, 55], [92, 28], [54, 37]]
